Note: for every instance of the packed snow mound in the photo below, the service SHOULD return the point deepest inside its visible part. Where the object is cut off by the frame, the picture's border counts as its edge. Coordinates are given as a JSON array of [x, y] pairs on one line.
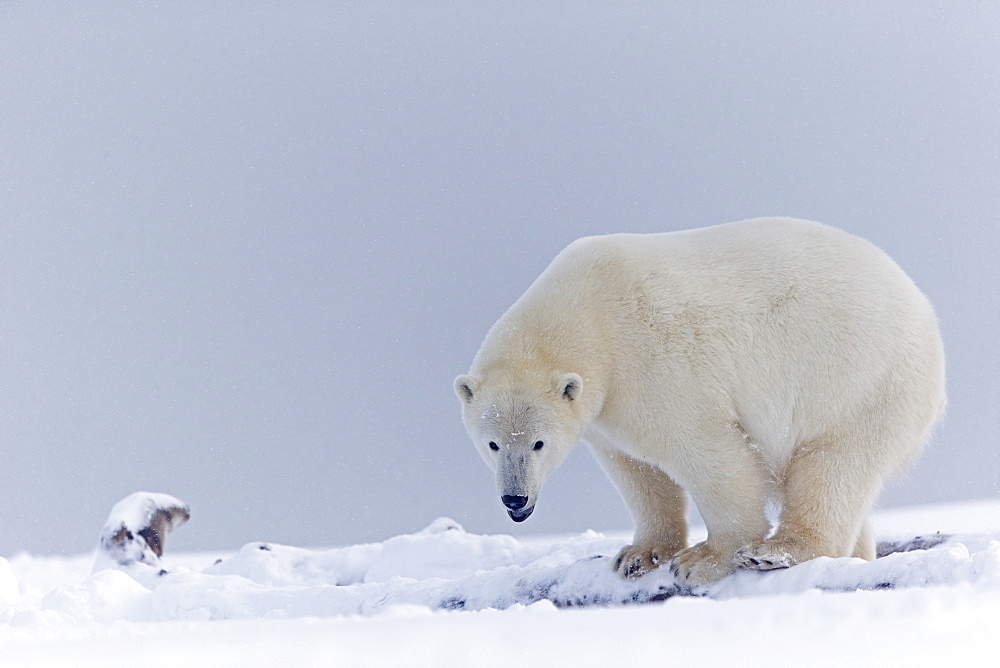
[[444, 567]]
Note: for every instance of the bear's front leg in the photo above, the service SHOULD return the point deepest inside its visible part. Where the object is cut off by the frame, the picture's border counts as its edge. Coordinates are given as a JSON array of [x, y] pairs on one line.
[[657, 505], [729, 529], [713, 559], [728, 486]]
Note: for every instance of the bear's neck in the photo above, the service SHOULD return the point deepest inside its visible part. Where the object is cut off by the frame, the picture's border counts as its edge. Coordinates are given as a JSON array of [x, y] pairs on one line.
[[557, 325]]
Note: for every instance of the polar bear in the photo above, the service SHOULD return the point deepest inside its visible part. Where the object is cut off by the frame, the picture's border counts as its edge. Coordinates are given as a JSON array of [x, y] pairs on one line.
[[767, 360]]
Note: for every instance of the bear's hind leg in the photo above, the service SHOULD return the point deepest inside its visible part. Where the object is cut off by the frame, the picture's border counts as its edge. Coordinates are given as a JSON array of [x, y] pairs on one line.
[[828, 492], [864, 547]]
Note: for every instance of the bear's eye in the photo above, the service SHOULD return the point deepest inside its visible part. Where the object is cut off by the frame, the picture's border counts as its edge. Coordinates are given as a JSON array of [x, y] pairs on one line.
[[539, 445], [494, 446]]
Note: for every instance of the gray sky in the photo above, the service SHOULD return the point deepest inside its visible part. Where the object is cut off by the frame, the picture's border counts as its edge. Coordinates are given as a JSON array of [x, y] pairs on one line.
[[245, 249]]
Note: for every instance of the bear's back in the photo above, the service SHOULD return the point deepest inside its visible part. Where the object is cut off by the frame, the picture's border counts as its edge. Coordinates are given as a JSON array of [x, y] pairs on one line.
[[740, 264], [777, 312]]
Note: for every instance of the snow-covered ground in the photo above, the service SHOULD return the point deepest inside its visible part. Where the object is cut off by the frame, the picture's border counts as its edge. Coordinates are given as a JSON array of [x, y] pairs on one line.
[[443, 597]]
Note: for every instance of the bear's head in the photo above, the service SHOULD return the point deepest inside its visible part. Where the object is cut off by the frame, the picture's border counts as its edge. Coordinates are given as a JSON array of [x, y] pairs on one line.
[[523, 425]]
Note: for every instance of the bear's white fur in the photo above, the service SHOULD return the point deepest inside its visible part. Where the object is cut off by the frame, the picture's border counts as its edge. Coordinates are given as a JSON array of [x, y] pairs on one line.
[[764, 359]]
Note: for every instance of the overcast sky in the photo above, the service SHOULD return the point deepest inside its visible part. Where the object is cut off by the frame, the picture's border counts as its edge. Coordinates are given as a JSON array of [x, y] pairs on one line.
[[245, 249]]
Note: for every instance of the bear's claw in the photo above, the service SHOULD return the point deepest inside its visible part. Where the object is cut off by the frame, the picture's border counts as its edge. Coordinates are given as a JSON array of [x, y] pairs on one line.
[[634, 560]]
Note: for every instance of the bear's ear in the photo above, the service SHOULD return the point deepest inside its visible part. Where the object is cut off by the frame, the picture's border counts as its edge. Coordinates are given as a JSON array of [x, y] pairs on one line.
[[569, 386], [465, 387]]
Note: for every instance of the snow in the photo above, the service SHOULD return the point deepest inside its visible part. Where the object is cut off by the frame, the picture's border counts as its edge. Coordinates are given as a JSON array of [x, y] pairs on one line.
[[445, 596]]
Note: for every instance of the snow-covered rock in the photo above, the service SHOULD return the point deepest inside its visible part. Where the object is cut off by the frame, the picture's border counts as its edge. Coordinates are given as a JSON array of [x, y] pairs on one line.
[[135, 531]]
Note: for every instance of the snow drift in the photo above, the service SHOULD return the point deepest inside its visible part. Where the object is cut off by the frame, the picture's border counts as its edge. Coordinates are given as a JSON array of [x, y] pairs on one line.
[[442, 567], [444, 596]]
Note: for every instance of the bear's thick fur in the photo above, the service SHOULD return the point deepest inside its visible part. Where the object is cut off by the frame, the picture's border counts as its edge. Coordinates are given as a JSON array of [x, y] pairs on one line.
[[764, 359]]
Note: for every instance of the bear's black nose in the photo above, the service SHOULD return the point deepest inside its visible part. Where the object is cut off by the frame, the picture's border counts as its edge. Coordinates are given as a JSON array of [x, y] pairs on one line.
[[514, 502]]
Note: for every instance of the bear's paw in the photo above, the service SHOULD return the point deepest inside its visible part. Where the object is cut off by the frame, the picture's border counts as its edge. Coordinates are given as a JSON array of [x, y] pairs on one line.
[[633, 561], [700, 565], [774, 553]]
